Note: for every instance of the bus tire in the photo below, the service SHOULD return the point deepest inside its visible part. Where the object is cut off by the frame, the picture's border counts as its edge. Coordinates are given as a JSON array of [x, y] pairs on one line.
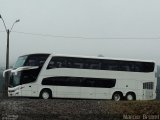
[[117, 96], [46, 94], [130, 96]]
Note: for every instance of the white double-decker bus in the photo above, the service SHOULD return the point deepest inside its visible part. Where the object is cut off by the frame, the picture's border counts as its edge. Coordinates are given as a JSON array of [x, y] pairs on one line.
[[69, 76]]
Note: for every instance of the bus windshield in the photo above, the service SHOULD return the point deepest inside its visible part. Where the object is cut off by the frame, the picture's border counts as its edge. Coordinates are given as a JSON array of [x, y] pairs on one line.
[[14, 80], [20, 62], [23, 77], [31, 60], [27, 76]]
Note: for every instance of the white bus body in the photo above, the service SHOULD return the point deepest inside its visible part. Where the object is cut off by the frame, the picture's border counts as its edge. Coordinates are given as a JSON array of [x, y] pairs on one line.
[[66, 76]]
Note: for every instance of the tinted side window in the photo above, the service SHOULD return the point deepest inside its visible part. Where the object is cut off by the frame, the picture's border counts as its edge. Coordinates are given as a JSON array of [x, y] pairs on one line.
[[148, 67], [126, 66], [79, 82], [92, 64], [36, 60], [105, 83], [99, 64], [110, 65], [57, 62], [131, 66], [75, 62], [144, 67], [62, 81], [29, 76]]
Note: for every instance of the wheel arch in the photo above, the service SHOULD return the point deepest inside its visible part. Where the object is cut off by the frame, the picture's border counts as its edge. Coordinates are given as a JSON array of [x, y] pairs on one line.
[[46, 89], [131, 92], [119, 92]]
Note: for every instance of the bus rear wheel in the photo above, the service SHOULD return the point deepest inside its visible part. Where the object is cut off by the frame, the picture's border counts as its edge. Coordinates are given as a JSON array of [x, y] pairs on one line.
[[130, 96], [46, 94], [117, 96]]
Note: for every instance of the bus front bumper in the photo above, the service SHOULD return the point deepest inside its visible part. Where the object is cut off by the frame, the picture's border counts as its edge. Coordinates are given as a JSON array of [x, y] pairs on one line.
[[14, 91]]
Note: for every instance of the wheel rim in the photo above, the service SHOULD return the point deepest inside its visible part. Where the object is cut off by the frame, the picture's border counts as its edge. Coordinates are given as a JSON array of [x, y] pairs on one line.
[[129, 97], [117, 97], [45, 95]]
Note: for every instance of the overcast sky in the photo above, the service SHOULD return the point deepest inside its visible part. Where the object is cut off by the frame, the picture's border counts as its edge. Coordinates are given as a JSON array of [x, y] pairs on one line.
[[113, 28]]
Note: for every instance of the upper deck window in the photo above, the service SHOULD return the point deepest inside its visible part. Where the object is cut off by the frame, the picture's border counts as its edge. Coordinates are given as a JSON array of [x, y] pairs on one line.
[[35, 61], [20, 62], [31, 60], [100, 64]]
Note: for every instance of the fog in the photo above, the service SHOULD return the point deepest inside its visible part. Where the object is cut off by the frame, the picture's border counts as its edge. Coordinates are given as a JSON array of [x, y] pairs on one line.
[[113, 28]]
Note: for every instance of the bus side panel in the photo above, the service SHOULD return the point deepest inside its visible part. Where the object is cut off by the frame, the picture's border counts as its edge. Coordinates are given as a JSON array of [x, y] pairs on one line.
[[68, 92], [104, 93]]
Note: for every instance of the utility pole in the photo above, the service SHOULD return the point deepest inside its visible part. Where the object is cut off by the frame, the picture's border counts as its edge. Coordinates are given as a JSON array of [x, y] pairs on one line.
[[7, 77], [7, 50], [7, 56]]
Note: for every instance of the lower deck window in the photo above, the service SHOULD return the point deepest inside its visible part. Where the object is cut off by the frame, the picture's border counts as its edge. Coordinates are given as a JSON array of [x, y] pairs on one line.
[[79, 82]]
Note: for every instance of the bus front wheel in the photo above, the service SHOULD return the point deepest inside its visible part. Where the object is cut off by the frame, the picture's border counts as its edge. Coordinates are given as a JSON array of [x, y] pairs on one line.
[[117, 96], [46, 94]]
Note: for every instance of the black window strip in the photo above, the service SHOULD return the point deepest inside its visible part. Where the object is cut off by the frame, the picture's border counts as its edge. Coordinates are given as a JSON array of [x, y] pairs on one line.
[[79, 82], [100, 64]]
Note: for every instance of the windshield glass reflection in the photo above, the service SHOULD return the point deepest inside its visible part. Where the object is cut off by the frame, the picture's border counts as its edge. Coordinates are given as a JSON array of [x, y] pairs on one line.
[[15, 80], [20, 62]]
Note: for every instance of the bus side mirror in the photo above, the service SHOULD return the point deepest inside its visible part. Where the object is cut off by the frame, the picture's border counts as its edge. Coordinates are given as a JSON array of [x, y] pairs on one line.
[[15, 72], [23, 68], [5, 71]]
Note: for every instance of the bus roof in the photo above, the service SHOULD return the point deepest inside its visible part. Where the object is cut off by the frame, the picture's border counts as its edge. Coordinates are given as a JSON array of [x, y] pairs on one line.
[[32, 54], [108, 58], [92, 57]]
